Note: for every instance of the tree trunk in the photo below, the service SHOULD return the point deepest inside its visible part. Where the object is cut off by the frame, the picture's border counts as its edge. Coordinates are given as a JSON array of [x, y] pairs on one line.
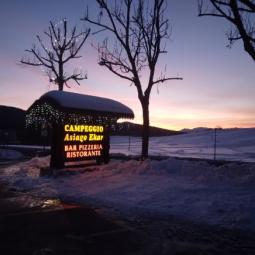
[[57, 147], [61, 75], [146, 126], [61, 86]]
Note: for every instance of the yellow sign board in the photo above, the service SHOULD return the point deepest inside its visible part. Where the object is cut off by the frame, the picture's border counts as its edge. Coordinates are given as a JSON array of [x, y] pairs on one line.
[[84, 142]]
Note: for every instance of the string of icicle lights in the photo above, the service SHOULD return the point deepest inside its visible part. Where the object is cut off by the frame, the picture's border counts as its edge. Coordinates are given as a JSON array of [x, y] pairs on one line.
[[46, 114]]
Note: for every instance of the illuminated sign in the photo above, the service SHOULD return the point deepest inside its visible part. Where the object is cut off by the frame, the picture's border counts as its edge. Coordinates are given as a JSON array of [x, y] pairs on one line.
[[83, 142]]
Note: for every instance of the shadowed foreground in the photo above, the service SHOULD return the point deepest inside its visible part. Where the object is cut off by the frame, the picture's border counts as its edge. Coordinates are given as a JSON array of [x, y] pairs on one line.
[[31, 225]]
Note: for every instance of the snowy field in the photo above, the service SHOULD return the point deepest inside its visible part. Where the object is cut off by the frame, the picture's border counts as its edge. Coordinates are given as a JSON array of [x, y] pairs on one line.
[[192, 190], [10, 154], [232, 144]]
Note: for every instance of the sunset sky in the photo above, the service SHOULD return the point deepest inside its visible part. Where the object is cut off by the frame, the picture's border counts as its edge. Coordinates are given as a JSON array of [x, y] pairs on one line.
[[218, 83]]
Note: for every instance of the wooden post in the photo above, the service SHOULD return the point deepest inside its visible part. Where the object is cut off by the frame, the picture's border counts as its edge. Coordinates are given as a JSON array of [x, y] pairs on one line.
[[57, 147], [106, 147]]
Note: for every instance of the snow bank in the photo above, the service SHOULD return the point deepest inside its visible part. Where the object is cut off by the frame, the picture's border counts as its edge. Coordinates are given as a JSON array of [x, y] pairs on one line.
[[7, 154], [25, 175], [193, 190]]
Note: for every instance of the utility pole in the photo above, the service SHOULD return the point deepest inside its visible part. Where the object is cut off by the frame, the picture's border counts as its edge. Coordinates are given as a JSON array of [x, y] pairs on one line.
[[215, 141]]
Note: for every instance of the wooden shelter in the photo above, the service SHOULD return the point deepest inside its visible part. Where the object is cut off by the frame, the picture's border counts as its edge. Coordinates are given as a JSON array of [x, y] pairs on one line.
[[79, 124]]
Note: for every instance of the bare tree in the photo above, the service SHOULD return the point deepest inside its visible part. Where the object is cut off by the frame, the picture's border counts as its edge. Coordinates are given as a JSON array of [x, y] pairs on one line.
[[138, 29], [240, 13], [63, 46]]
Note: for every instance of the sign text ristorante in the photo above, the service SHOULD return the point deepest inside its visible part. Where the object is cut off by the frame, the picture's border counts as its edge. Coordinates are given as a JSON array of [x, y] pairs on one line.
[[83, 141]]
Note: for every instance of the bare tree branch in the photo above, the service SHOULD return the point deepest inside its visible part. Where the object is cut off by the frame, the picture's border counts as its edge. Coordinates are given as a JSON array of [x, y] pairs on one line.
[[63, 47], [162, 80], [240, 13]]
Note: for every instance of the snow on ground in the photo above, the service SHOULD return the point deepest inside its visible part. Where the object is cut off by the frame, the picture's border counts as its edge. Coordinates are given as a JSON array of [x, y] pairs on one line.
[[232, 144], [194, 190], [9, 154]]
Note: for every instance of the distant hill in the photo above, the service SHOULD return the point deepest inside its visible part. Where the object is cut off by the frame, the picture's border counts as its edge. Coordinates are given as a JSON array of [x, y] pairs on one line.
[[12, 124], [11, 118], [199, 129], [132, 129]]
